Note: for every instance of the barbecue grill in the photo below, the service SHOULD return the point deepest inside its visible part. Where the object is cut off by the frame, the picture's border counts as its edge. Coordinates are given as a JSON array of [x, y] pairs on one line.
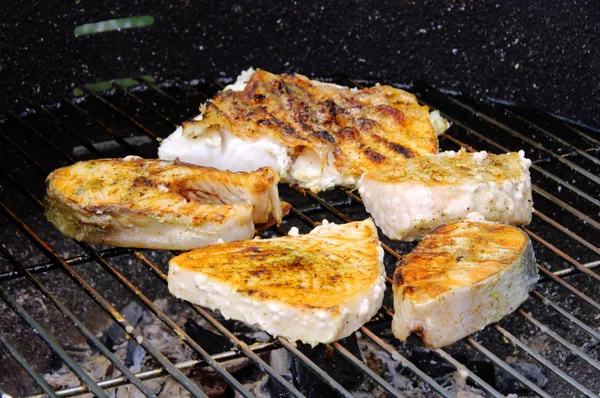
[[64, 302]]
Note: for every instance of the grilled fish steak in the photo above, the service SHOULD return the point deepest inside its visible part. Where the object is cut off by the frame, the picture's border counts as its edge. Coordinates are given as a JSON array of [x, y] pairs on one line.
[[411, 200], [135, 202], [317, 288], [315, 135], [461, 278]]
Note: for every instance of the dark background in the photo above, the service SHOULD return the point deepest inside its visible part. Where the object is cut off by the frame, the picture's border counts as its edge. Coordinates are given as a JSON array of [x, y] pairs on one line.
[[542, 53]]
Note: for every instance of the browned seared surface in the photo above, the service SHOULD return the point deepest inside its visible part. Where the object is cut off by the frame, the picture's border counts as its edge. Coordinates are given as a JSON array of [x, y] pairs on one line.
[[362, 129]]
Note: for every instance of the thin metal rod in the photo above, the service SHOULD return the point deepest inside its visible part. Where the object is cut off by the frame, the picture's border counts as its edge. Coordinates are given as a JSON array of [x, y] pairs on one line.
[[507, 368], [47, 337], [148, 304], [159, 372], [110, 132], [223, 330], [579, 294], [530, 141], [100, 300], [142, 102], [546, 173], [128, 285], [564, 283], [396, 356], [545, 329], [77, 323], [158, 90], [337, 387], [562, 254], [28, 368], [539, 190], [112, 106], [351, 358], [556, 138], [591, 331], [543, 361], [462, 368], [567, 231]]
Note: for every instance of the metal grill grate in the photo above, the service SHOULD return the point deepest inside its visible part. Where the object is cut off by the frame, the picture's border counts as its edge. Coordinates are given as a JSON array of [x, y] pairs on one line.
[[562, 312]]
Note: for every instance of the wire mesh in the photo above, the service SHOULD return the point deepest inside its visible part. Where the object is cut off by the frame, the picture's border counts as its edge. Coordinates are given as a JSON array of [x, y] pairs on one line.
[[132, 121]]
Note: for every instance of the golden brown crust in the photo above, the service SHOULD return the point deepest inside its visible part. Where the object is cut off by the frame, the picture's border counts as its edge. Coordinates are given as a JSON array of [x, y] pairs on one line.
[[314, 270], [142, 186], [440, 170], [363, 129], [457, 255]]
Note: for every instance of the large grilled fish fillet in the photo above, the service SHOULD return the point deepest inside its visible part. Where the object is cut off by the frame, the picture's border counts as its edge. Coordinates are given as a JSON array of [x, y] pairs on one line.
[[461, 278], [411, 200], [315, 135], [134, 202], [317, 288]]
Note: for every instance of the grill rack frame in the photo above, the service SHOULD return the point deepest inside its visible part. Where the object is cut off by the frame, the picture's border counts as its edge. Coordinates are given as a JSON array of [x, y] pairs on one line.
[[100, 257]]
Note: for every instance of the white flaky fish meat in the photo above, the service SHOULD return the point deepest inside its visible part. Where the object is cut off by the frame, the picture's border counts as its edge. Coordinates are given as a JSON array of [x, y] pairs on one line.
[[412, 199], [135, 202], [316, 288], [461, 278], [315, 135]]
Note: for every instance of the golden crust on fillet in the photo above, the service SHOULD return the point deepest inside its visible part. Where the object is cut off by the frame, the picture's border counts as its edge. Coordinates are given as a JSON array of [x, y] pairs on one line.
[[457, 255], [145, 186], [446, 170], [317, 270], [361, 129]]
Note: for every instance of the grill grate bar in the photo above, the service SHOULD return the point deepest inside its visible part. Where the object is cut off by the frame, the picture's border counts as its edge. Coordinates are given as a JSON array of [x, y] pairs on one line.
[[142, 102], [132, 150], [342, 216], [592, 332], [562, 254], [146, 302], [190, 364], [533, 166], [25, 365], [534, 143], [112, 106], [543, 360], [76, 322], [543, 328], [322, 204], [396, 356], [314, 368], [44, 335], [564, 283], [104, 304], [507, 368], [546, 173], [311, 365], [582, 152], [538, 190], [223, 330], [358, 363]]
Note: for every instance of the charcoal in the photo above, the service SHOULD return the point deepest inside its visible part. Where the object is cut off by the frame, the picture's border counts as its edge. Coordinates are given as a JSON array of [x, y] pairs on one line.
[[211, 342], [332, 363], [282, 362], [135, 355], [114, 334], [507, 384]]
